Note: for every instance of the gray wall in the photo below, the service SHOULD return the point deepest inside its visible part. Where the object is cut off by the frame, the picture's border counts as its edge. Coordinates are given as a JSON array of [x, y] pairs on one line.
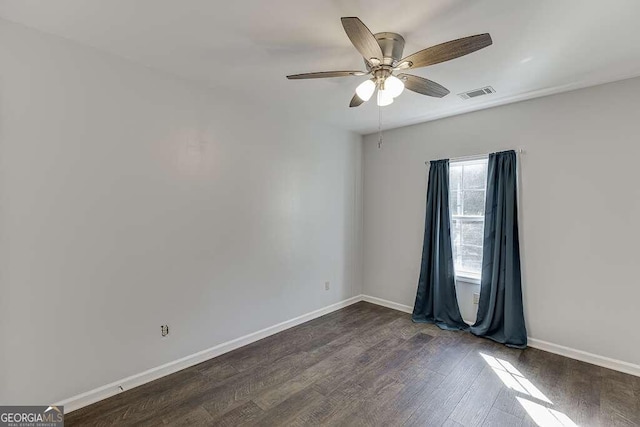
[[130, 199], [580, 210]]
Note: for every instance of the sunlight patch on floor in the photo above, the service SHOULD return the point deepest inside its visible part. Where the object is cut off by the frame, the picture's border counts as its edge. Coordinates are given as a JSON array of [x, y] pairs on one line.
[[512, 378], [545, 417]]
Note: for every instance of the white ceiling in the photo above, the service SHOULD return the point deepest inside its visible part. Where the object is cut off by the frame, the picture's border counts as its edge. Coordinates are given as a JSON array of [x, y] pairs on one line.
[[540, 47]]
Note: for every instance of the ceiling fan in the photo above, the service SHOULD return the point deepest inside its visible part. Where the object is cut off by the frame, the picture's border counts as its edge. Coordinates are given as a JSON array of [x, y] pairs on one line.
[[382, 53]]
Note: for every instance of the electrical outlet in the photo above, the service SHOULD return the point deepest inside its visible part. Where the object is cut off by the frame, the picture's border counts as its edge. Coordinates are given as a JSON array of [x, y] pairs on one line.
[[476, 298], [164, 330], [327, 285]]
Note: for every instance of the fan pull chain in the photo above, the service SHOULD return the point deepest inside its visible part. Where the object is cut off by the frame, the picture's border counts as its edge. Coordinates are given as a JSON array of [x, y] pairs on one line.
[[379, 127]]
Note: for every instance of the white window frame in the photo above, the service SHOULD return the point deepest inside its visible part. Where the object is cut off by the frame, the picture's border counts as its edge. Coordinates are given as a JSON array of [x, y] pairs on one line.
[[468, 276]]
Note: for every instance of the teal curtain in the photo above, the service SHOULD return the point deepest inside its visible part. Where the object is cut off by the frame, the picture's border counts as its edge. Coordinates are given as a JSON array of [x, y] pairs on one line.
[[500, 311], [436, 300]]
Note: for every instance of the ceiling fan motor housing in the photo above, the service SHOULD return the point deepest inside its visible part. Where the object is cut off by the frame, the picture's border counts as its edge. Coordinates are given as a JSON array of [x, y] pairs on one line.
[[392, 45]]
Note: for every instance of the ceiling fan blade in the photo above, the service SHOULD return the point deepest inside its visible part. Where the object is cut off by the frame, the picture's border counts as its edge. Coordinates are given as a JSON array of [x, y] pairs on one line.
[[356, 101], [323, 74], [447, 51], [363, 40], [423, 86]]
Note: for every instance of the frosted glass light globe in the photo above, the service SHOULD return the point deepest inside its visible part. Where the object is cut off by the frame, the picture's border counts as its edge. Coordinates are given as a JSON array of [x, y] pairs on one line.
[[365, 90], [394, 86], [384, 98]]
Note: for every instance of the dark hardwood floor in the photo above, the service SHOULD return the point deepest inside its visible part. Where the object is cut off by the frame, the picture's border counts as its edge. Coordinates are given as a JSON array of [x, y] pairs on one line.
[[369, 365]]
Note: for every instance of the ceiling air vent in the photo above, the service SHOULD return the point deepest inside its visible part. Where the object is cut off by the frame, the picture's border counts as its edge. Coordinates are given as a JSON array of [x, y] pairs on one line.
[[477, 92]]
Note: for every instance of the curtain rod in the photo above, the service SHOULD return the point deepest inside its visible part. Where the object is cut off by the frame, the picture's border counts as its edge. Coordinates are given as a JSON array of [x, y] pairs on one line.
[[475, 156]]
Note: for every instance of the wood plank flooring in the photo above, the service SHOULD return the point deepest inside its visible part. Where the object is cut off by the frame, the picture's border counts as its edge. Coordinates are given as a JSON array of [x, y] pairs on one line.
[[367, 365]]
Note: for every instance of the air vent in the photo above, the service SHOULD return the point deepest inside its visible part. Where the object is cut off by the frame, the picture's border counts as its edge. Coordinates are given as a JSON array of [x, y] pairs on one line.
[[477, 92]]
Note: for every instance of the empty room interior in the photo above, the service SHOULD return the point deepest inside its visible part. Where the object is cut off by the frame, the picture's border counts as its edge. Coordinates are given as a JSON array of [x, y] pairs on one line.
[[295, 213]]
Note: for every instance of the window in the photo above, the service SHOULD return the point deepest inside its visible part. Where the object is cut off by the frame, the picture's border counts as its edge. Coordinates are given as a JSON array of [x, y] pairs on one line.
[[467, 188]]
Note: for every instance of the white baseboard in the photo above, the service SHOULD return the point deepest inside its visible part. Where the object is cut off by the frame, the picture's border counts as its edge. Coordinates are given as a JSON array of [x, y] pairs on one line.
[[572, 353], [594, 359], [397, 306], [387, 303], [100, 393]]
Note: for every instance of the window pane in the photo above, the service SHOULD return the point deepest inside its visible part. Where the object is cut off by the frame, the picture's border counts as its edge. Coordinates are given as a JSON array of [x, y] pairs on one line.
[[455, 181], [467, 181], [455, 202], [471, 259], [472, 232], [456, 228], [475, 176], [473, 203]]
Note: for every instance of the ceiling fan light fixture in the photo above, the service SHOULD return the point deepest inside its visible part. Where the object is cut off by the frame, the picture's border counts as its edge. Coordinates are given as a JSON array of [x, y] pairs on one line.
[[365, 89], [384, 98], [394, 86], [382, 54]]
